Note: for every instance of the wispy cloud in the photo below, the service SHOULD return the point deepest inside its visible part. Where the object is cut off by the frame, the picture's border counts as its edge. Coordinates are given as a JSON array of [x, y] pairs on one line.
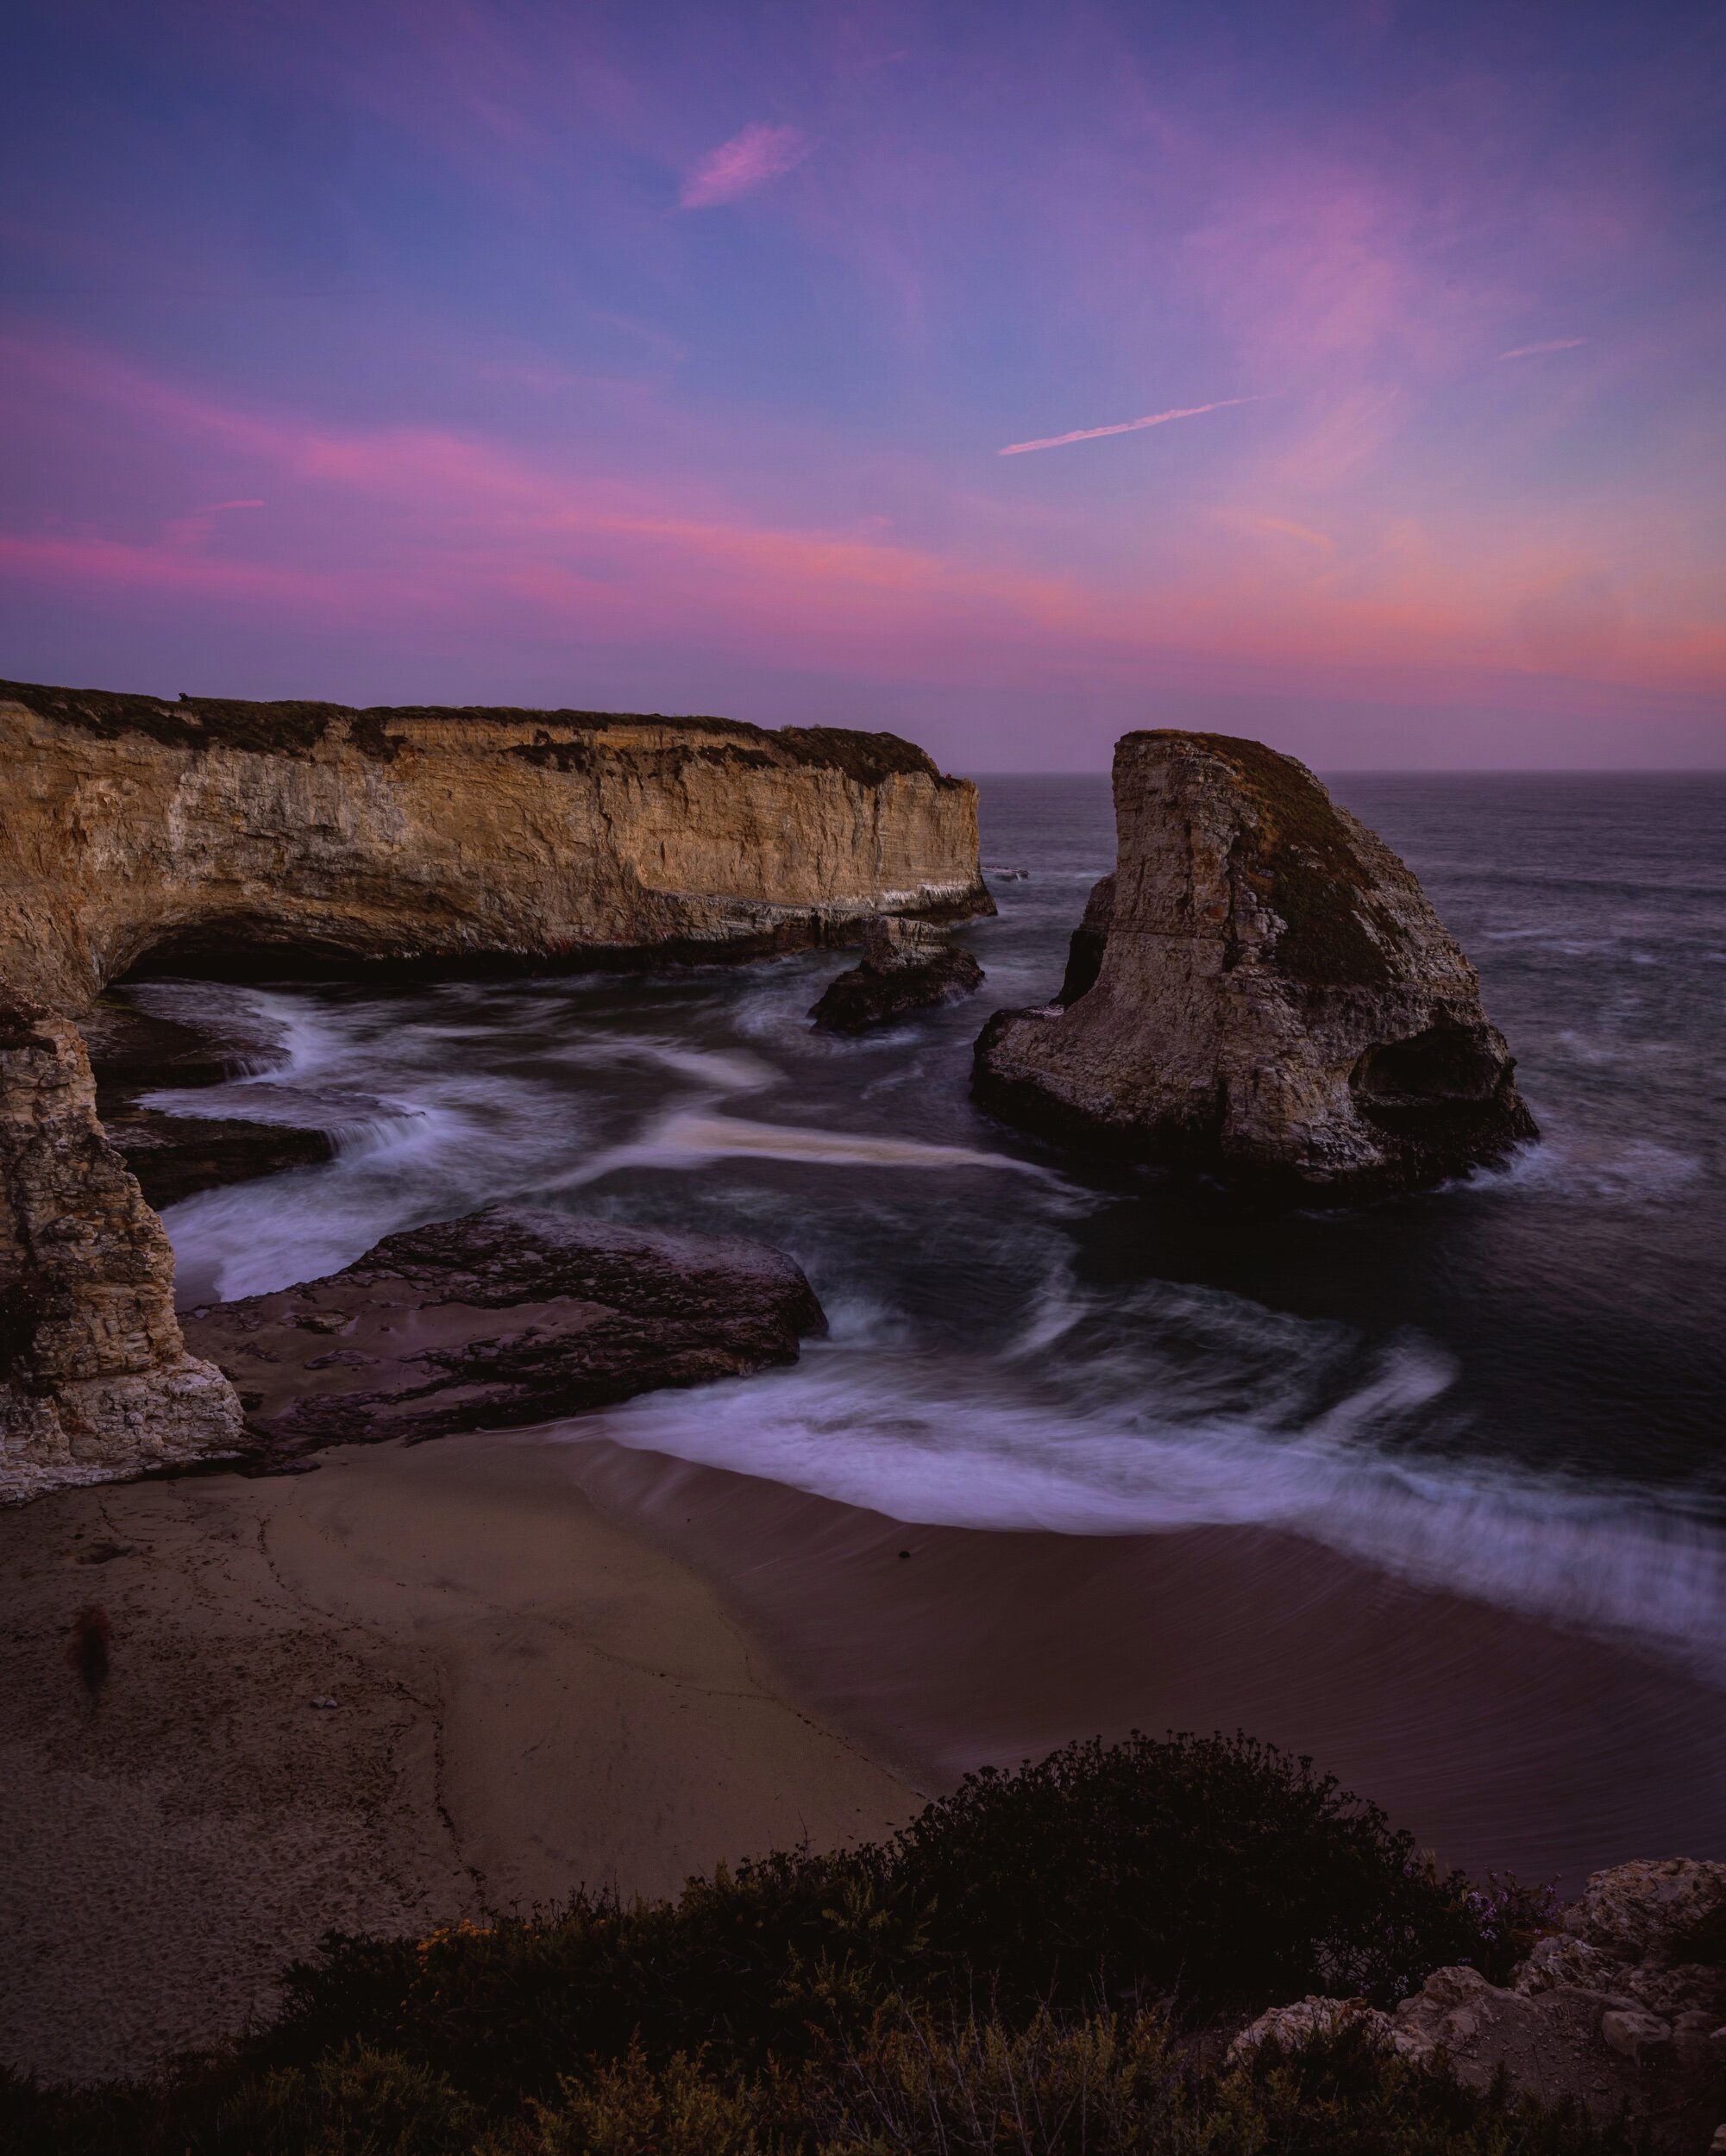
[[1121, 426], [1552, 344], [759, 154]]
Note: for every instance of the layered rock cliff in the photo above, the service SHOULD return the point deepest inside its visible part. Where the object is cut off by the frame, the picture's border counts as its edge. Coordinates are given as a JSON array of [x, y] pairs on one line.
[[205, 835], [95, 1378], [1261, 990]]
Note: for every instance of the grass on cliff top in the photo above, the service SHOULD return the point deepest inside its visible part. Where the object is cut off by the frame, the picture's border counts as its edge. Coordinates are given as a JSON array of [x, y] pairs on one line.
[[295, 728], [1308, 868], [1069, 1932]]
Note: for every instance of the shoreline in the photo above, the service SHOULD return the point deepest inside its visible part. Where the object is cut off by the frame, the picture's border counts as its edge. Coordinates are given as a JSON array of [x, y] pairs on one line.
[[557, 1661], [1501, 1742]]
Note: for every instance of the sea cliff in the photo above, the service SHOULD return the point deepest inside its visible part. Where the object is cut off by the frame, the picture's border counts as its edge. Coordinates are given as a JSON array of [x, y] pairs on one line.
[[206, 835], [213, 837]]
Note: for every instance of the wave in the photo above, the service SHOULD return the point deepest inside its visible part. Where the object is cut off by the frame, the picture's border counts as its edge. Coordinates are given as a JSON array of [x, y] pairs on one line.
[[936, 1441]]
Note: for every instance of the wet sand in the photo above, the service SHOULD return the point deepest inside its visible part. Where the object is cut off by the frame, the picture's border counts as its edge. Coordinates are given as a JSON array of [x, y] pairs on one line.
[[1500, 1743], [525, 1697]]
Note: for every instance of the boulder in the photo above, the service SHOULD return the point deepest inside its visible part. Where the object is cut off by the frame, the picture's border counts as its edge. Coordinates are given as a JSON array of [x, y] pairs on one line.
[[1261, 991], [1622, 2010], [906, 966], [505, 1317]]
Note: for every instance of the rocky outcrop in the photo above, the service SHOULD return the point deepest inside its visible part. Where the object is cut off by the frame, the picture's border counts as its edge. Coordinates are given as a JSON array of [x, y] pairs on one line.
[[906, 966], [95, 1378], [211, 836], [504, 1318], [1262, 991], [204, 835], [133, 1052], [1622, 2009]]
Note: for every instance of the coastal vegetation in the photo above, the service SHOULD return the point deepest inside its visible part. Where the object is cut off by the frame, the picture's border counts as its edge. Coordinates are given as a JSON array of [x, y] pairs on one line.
[[1047, 1961]]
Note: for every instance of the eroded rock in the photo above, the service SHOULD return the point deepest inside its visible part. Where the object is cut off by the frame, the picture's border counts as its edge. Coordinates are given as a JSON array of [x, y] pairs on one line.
[[95, 1377], [906, 966], [1261, 991], [1579, 2017], [503, 1317], [220, 837], [207, 835]]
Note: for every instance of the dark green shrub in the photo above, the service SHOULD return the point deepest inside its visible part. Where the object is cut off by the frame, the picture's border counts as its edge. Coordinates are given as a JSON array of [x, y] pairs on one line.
[[1213, 1875]]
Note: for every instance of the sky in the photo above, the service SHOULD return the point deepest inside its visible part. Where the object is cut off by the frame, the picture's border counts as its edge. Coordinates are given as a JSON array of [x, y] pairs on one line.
[[1351, 373]]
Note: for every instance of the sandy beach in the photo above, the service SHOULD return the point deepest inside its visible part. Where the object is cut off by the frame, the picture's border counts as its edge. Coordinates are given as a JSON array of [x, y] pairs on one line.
[[526, 1696], [554, 1660]]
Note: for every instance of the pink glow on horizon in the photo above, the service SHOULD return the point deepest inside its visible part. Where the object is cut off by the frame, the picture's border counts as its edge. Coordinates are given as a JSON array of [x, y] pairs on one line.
[[423, 344], [433, 522]]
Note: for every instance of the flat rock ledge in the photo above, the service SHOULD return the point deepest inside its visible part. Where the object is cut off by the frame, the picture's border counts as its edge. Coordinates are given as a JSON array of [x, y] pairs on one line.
[[1622, 2009], [906, 966], [1261, 991], [503, 1317]]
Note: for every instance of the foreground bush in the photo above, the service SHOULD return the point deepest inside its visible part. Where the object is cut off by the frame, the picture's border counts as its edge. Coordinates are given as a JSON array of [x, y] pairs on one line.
[[1023, 1914]]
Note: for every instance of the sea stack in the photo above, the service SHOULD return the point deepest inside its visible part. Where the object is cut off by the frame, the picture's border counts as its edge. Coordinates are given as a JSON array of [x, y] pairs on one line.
[[1261, 991]]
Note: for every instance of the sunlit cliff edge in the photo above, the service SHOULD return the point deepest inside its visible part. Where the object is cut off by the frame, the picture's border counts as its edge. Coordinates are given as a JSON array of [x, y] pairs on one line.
[[208, 836]]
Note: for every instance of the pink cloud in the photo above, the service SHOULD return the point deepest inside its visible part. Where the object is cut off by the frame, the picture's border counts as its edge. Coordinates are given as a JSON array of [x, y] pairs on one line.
[[759, 154], [406, 527], [1121, 426]]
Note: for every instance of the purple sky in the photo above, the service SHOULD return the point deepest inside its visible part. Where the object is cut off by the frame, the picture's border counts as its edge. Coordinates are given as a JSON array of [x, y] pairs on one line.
[[1343, 372]]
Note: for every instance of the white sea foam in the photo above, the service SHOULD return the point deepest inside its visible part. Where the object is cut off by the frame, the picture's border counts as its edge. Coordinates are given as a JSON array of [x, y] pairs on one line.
[[687, 1140], [936, 1440]]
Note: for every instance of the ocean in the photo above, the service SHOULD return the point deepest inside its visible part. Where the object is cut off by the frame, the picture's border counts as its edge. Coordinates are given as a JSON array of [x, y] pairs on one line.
[[1510, 1391]]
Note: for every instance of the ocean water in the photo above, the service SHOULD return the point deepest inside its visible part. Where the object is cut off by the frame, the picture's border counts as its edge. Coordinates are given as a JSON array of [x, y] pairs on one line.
[[1514, 1388]]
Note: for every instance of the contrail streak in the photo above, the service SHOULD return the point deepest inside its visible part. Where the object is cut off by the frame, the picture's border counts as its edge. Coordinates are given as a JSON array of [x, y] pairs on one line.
[[1121, 426], [1552, 344]]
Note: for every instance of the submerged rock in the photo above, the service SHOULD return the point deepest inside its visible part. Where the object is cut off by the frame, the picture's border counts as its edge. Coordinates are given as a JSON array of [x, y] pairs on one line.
[[503, 1317], [1261, 991], [94, 1377], [906, 966]]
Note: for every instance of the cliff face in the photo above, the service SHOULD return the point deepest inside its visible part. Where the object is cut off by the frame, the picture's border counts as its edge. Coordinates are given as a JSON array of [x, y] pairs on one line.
[[1261, 990], [204, 834], [94, 1376], [211, 835]]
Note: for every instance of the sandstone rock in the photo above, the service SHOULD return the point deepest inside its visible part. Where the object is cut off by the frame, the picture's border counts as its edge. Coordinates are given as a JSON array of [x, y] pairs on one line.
[[1633, 2034], [1662, 1914], [1273, 998], [95, 1378], [1576, 2020], [1312, 2018], [906, 966], [503, 1317], [214, 837], [203, 835]]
